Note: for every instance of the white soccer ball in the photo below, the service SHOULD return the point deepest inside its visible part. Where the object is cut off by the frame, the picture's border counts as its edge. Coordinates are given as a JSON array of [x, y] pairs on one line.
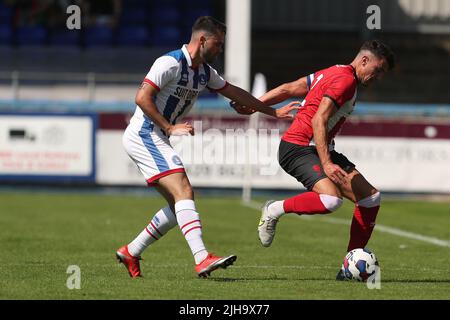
[[360, 264]]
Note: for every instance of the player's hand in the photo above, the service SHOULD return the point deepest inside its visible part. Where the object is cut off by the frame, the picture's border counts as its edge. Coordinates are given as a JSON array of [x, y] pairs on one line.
[[284, 112], [242, 109], [335, 173], [181, 129]]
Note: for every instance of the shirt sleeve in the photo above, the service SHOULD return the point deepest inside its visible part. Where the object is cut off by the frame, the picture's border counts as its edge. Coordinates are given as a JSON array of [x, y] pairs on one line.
[[162, 71], [309, 80], [216, 82], [340, 90]]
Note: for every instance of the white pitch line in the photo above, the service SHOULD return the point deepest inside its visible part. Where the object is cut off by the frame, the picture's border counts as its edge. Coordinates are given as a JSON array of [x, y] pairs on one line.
[[385, 229]]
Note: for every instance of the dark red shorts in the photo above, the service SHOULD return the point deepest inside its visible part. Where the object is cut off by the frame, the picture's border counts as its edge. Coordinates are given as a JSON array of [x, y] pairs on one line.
[[303, 163]]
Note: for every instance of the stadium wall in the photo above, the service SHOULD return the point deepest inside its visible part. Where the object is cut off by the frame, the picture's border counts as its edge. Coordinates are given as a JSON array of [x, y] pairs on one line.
[[407, 155], [396, 154]]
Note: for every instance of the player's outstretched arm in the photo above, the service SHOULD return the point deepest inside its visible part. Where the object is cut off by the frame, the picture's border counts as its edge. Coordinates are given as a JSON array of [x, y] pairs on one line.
[[243, 98], [242, 109], [144, 99], [289, 90], [297, 88]]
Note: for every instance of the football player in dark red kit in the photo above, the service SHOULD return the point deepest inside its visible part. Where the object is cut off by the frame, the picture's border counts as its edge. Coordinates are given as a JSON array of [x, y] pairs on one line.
[[307, 153]]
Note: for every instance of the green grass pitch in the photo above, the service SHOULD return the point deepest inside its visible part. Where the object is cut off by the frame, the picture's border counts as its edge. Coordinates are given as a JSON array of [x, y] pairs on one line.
[[43, 233]]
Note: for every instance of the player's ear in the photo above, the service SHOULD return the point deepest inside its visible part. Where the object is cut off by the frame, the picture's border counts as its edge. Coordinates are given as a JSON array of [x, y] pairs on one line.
[[202, 40], [364, 60]]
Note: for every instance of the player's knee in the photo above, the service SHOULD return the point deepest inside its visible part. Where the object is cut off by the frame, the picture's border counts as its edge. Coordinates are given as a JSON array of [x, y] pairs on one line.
[[371, 201], [187, 190], [331, 203], [183, 192]]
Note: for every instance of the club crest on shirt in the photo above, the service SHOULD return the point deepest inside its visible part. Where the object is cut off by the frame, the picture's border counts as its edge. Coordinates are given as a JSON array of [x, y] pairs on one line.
[[202, 79], [184, 78], [177, 160]]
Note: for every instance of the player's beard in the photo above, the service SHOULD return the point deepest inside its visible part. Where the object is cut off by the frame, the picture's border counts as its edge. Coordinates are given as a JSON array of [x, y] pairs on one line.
[[367, 82], [207, 57]]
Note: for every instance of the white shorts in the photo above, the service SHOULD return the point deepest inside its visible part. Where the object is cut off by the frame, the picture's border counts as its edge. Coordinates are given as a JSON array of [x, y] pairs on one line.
[[152, 152]]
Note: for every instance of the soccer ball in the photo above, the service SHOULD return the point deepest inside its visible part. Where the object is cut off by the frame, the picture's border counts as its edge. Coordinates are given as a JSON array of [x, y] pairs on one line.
[[359, 264]]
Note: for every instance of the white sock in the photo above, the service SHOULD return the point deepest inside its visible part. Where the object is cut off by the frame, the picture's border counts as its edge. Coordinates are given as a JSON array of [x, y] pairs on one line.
[[191, 227], [161, 223], [276, 209]]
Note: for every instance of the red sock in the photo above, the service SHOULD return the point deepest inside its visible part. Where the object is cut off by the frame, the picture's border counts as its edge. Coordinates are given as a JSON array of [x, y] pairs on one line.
[[305, 203], [362, 225]]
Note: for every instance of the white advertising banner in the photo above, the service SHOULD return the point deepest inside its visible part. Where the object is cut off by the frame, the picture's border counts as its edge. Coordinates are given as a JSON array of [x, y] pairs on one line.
[[219, 159], [400, 164], [46, 147], [114, 167]]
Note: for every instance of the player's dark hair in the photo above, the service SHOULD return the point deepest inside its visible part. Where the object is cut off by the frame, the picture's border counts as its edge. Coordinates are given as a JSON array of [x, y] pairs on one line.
[[209, 24], [381, 50]]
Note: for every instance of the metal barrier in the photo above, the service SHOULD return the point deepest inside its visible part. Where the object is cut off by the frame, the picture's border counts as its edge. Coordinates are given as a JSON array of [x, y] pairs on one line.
[[90, 80]]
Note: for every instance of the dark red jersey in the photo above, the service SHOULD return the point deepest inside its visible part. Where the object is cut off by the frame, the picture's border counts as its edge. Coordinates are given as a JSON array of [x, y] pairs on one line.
[[338, 83]]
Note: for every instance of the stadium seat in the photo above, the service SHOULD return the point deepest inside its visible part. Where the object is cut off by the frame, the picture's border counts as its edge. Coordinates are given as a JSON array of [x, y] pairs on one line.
[[31, 35], [165, 16], [6, 14], [133, 17], [200, 4], [65, 38], [166, 36], [133, 36], [135, 4], [192, 14], [180, 4], [5, 35], [98, 36]]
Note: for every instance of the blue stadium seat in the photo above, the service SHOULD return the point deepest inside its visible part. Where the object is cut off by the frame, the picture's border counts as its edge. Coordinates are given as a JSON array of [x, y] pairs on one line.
[[200, 4], [185, 35], [134, 17], [6, 34], [191, 14], [6, 14], [180, 4], [133, 36], [135, 4], [166, 36], [31, 35], [165, 15], [98, 36], [65, 37]]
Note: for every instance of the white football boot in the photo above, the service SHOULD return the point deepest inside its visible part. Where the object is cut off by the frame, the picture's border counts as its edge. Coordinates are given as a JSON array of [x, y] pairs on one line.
[[267, 225]]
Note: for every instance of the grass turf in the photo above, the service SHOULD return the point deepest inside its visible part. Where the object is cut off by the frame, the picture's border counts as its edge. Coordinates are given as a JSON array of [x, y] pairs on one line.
[[43, 233]]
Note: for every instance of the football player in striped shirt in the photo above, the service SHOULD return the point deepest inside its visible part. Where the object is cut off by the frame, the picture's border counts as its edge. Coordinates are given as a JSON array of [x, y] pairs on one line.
[[166, 95]]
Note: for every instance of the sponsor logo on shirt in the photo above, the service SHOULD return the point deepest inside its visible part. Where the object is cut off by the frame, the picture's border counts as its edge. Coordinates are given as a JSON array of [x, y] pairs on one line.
[[185, 93]]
